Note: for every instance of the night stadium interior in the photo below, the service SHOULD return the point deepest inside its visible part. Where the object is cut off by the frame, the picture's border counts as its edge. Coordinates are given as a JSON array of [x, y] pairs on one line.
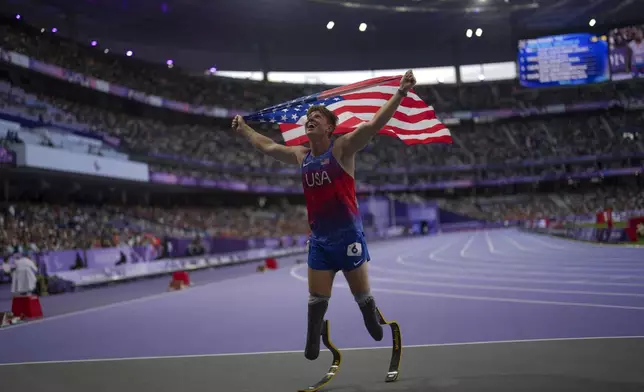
[[513, 258]]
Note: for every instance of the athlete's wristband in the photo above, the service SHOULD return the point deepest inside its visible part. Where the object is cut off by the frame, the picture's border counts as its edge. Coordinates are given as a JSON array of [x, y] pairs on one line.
[[402, 92]]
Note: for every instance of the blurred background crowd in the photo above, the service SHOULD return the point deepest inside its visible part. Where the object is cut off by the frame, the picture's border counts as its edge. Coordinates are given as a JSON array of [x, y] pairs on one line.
[[38, 224]]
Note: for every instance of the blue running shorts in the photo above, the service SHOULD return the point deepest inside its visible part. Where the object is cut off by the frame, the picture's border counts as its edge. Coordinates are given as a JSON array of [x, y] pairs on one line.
[[346, 254]]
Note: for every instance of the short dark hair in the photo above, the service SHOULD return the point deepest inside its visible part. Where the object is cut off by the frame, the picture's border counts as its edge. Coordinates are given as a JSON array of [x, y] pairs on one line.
[[329, 115]]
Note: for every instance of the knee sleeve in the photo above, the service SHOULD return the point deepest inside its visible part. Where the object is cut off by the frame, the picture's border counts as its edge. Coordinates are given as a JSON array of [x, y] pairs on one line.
[[318, 305], [317, 298], [363, 298]]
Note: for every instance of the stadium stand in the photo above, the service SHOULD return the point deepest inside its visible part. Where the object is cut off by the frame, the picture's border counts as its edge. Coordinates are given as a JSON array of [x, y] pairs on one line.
[[46, 227], [535, 206], [510, 141], [184, 146], [505, 252]]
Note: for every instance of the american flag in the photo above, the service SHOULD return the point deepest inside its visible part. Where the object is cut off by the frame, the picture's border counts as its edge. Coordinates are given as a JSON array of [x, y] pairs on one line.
[[414, 122]]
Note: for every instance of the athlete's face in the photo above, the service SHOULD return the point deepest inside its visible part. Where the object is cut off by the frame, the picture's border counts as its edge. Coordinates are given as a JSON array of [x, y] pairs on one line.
[[317, 125]]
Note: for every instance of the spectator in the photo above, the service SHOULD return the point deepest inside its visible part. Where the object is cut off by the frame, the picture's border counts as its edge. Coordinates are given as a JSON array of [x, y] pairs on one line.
[[24, 280]]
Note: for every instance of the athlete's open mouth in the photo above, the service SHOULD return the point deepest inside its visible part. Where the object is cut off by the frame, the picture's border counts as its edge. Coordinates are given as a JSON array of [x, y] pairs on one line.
[[310, 126]]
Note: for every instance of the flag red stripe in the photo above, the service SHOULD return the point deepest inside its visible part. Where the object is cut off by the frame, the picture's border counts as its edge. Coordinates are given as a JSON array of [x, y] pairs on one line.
[[358, 86], [400, 131], [438, 139], [341, 129], [407, 102], [298, 141], [288, 126], [429, 115], [435, 132], [350, 124], [393, 82]]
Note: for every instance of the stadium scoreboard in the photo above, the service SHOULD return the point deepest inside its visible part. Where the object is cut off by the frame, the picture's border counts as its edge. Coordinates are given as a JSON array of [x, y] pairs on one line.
[[569, 59]]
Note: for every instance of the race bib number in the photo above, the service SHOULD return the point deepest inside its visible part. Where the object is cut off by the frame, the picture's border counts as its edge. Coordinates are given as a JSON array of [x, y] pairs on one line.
[[354, 249]]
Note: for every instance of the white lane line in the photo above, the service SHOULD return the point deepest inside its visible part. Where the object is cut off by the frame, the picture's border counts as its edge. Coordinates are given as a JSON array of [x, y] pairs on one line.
[[457, 344], [521, 247], [490, 245], [502, 288], [449, 265], [590, 255], [478, 298], [501, 269], [415, 272], [538, 264], [467, 244]]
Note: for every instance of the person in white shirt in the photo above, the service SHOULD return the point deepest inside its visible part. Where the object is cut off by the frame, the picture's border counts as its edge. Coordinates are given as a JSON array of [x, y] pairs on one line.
[[637, 52], [23, 279]]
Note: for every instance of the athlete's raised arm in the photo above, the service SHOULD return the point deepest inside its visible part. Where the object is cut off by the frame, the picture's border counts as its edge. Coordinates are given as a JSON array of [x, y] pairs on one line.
[[355, 141], [268, 146]]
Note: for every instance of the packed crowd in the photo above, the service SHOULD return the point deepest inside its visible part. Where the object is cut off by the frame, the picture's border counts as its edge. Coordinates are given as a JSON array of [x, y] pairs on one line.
[[534, 206], [41, 227], [51, 227], [240, 222], [48, 227], [619, 199], [176, 84], [503, 142]]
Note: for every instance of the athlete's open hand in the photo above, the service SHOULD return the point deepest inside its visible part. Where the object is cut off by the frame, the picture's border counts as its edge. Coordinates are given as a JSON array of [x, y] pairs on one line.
[[408, 81], [238, 123]]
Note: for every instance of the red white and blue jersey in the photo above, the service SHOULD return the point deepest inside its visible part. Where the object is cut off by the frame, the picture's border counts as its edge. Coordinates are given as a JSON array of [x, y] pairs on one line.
[[330, 195]]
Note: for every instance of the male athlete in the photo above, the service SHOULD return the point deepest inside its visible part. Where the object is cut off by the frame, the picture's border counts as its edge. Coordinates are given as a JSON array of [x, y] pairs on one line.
[[337, 239]]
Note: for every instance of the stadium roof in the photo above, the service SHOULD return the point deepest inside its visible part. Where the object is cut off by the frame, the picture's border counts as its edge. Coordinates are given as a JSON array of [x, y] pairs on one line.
[[291, 35]]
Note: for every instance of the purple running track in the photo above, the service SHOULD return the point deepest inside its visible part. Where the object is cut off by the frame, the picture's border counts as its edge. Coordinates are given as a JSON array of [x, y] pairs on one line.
[[450, 288]]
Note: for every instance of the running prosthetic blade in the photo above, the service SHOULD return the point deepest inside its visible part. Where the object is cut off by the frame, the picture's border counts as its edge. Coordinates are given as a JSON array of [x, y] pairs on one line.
[[396, 354], [335, 365]]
